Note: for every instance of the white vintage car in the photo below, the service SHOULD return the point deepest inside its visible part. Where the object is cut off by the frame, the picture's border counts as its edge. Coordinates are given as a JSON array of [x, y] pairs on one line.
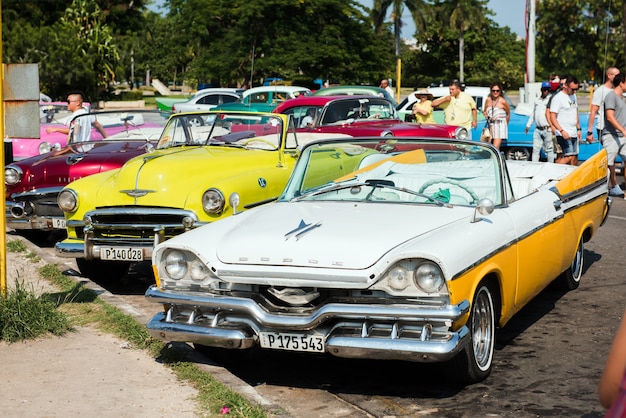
[[395, 248]]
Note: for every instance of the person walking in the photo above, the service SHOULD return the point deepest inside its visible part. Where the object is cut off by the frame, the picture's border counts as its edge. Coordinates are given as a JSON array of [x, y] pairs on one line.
[[498, 114], [612, 388], [597, 101], [542, 135], [423, 108], [564, 117], [459, 108], [615, 130]]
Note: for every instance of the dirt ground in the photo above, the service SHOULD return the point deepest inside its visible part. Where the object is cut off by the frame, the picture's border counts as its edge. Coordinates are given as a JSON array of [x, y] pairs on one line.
[[84, 373]]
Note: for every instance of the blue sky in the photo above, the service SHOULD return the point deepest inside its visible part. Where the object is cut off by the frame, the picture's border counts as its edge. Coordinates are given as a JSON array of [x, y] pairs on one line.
[[507, 13]]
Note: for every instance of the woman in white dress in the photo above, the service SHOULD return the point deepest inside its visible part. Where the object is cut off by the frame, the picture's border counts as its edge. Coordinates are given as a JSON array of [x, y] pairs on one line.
[[498, 113]]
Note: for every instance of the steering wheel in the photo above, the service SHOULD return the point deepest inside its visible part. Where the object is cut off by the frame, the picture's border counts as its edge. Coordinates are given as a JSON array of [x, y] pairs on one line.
[[460, 185], [264, 141]]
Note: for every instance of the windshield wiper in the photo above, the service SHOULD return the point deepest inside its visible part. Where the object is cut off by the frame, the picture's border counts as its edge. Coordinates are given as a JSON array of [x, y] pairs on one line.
[[329, 188]]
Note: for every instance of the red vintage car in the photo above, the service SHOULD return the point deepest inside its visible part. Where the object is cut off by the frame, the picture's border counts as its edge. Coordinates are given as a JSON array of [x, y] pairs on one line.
[[32, 184], [358, 116]]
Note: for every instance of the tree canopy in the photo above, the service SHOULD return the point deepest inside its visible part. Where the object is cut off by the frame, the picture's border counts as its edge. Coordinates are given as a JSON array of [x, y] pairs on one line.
[[92, 45]]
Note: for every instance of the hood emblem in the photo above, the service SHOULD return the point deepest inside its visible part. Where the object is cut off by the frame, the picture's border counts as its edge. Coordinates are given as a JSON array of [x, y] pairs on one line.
[[73, 159], [262, 182], [137, 192], [302, 230]]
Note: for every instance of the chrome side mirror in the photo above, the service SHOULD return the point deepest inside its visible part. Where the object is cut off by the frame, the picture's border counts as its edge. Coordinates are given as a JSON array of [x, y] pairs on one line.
[[484, 207]]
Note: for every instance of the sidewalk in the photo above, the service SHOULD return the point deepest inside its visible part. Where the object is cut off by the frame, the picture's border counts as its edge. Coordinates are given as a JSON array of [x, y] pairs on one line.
[[84, 373]]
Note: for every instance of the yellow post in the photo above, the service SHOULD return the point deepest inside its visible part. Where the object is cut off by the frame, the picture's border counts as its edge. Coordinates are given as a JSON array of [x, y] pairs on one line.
[[3, 224], [398, 79]]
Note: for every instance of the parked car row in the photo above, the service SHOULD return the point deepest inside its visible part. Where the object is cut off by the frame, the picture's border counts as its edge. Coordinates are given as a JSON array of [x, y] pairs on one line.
[[324, 225]]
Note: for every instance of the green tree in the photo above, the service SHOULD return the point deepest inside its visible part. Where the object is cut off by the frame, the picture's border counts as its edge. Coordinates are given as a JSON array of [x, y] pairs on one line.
[[463, 15], [576, 36]]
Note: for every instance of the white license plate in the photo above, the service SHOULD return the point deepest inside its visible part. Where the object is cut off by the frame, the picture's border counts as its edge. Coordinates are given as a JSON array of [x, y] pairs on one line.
[[58, 223], [121, 254], [293, 342]]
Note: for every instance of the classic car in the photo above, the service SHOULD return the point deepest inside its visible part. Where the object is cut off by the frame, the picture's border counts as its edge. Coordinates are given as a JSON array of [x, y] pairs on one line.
[[264, 98], [33, 184], [358, 116], [394, 249], [115, 218], [208, 99], [355, 91]]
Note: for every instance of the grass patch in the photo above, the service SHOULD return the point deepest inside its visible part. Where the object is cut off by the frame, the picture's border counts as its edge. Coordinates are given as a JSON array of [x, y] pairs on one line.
[[24, 316], [16, 246], [82, 306]]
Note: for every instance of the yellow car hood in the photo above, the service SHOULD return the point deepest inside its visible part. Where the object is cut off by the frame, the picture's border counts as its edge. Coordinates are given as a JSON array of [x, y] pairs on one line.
[[164, 179]]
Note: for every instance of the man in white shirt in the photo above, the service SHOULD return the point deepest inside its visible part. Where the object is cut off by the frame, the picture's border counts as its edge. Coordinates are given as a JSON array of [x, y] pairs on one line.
[[542, 136], [79, 127], [564, 117]]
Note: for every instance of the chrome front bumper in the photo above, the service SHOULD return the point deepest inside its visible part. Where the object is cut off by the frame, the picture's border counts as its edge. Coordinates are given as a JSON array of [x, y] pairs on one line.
[[17, 216], [417, 333]]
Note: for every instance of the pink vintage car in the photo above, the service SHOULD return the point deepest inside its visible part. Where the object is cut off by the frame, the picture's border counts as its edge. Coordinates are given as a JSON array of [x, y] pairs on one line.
[[358, 116], [32, 184]]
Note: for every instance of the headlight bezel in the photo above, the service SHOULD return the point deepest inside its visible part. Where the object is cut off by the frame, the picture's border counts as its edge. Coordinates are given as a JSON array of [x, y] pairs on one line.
[[213, 201], [413, 277], [182, 267], [17, 175], [67, 200]]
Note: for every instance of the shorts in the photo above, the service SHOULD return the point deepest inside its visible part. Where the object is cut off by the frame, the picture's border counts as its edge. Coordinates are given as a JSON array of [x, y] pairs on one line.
[[569, 146], [612, 144]]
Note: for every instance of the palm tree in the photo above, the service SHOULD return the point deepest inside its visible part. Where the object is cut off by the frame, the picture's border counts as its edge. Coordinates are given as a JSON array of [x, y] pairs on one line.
[[418, 9], [463, 15]]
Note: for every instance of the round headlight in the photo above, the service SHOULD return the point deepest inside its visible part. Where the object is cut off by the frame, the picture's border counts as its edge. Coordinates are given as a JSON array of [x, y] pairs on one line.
[[67, 200], [213, 201], [428, 277], [197, 270], [12, 175], [386, 133], [175, 264], [45, 147], [398, 278], [461, 133]]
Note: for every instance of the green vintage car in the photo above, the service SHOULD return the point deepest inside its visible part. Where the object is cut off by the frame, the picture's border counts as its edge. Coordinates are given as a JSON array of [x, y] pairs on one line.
[[206, 166]]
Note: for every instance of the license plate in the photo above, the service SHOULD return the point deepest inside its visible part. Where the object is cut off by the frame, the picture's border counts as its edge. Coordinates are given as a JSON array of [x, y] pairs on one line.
[[58, 223], [293, 342], [121, 254]]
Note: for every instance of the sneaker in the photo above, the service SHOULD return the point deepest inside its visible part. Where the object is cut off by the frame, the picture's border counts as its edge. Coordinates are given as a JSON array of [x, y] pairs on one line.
[[616, 191]]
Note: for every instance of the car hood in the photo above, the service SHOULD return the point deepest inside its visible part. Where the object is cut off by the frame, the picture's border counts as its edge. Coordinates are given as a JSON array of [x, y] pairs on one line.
[[323, 235], [165, 175], [57, 168]]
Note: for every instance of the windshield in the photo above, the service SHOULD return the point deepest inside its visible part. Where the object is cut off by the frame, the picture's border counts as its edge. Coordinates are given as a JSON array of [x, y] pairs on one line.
[[347, 111], [403, 171], [252, 131], [123, 126]]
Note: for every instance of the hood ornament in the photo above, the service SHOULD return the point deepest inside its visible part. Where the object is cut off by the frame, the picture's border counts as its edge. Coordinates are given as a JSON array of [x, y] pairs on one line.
[[137, 192], [301, 230], [73, 159]]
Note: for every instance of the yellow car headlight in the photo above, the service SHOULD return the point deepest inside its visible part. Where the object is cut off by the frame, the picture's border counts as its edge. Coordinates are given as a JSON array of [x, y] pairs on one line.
[[67, 200], [213, 201]]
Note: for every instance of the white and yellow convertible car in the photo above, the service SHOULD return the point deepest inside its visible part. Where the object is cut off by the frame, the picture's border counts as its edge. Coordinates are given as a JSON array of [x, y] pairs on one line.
[[405, 249]]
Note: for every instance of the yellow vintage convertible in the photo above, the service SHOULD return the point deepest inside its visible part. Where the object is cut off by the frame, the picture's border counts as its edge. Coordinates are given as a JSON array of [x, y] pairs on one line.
[[205, 167], [417, 252]]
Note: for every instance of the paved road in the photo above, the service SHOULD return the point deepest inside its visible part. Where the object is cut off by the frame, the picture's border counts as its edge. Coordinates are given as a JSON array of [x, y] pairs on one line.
[[548, 359]]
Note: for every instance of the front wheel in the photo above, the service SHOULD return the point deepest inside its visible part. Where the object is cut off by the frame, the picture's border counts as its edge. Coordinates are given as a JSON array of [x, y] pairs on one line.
[[474, 363]]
